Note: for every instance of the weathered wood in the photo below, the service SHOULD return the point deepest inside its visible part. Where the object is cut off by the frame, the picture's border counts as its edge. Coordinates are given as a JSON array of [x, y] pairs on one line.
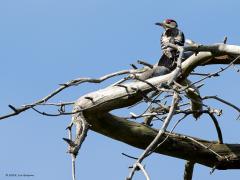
[[176, 145], [97, 105]]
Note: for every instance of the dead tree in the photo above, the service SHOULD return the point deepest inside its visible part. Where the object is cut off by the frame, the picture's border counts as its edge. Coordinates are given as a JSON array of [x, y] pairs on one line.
[[172, 95]]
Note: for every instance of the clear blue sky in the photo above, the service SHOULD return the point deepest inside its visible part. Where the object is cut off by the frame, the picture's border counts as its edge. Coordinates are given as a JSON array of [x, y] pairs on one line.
[[47, 42]]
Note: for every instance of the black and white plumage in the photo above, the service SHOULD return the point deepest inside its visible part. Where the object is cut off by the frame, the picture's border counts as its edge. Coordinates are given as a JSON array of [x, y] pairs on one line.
[[168, 60], [171, 35]]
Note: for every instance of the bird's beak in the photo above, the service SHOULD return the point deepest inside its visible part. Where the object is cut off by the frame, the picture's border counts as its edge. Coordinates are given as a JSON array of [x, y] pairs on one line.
[[164, 25], [159, 24]]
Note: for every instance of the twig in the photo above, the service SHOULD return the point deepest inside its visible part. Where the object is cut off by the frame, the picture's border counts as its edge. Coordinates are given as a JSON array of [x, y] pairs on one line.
[[159, 135], [53, 115], [212, 170], [175, 100], [211, 114], [164, 140], [134, 66], [69, 128], [219, 132], [80, 110], [204, 146], [73, 167], [199, 74], [213, 74], [237, 69], [74, 82], [147, 113], [82, 128], [225, 40], [223, 101], [129, 156], [145, 63], [53, 104], [143, 170], [13, 108]]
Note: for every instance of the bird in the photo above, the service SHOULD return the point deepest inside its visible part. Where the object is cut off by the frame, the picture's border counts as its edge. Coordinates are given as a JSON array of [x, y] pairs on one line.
[[172, 35], [167, 61]]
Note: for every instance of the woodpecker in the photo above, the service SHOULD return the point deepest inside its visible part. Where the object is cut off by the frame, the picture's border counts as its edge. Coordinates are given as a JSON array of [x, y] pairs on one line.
[[167, 62], [171, 35]]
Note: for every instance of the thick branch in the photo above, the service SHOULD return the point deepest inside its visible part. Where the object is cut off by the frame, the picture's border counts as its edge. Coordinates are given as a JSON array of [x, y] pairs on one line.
[[96, 106], [207, 55], [120, 96], [175, 145]]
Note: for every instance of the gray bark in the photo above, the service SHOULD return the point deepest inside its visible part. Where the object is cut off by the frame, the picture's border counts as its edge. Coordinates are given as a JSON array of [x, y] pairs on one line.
[[96, 112]]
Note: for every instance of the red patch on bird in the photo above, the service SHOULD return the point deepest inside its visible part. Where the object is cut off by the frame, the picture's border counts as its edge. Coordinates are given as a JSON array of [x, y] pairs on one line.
[[168, 21]]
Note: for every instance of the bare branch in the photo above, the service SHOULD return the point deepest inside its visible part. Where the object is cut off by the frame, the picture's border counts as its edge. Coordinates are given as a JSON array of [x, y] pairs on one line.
[[129, 156], [168, 135], [69, 141], [199, 74], [206, 147], [223, 101], [74, 82], [211, 114], [216, 73], [53, 104], [153, 144], [82, 128], [145, 63], [188, 172], [219, 132], [93, 109], [176, 145], [143, 170], [53, 115], [134, 66], [73, 167], [225, 40]]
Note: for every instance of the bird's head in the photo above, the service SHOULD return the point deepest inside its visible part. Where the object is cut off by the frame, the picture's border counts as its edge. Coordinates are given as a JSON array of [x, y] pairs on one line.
[[168, 24]]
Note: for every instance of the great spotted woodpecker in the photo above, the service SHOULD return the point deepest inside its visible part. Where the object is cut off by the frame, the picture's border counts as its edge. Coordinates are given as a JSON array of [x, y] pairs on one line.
[[171, 35]]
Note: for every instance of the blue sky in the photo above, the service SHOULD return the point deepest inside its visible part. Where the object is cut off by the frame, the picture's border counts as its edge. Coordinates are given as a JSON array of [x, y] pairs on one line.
[[44, 43]]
